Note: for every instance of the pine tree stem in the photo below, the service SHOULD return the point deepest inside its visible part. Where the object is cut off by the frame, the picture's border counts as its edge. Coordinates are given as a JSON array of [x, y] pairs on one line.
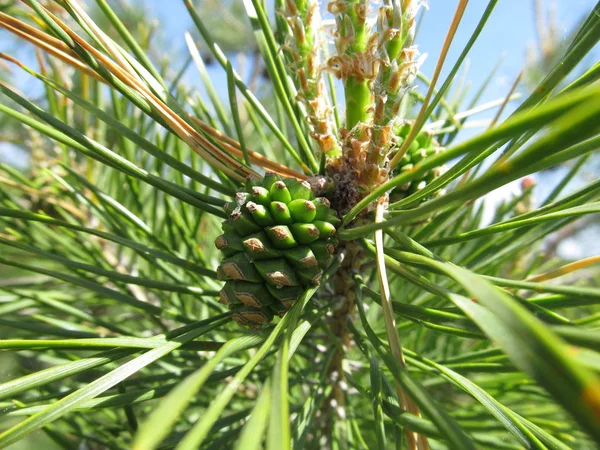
[[353, 32], [358, 99], [344, 287]]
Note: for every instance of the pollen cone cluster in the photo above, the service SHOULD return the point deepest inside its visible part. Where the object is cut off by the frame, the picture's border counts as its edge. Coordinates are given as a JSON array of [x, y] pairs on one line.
[[422, 147], [276, 242]]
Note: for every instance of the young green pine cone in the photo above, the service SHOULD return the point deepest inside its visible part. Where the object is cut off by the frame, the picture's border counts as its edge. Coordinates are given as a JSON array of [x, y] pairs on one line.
[[422, 147], [276, 243]]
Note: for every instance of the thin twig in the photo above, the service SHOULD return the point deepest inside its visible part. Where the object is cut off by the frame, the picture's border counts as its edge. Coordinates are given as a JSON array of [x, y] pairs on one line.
[[567, 268], [422, 116], [415, 441], [513, 88]]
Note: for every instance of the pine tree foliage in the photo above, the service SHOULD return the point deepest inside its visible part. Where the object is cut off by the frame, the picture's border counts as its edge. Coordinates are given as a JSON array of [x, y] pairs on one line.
[[429, 326]]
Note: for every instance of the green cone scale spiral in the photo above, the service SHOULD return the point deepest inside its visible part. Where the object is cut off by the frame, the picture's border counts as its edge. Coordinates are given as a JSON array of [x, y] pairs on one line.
[[276, 242], [424, 146]]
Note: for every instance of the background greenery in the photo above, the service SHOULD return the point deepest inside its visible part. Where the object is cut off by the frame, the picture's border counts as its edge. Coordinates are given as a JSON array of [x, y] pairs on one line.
[[112, 334]]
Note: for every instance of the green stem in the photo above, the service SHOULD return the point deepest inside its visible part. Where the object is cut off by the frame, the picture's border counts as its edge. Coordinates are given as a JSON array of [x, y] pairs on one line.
[[358, 92], [358, 99]]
